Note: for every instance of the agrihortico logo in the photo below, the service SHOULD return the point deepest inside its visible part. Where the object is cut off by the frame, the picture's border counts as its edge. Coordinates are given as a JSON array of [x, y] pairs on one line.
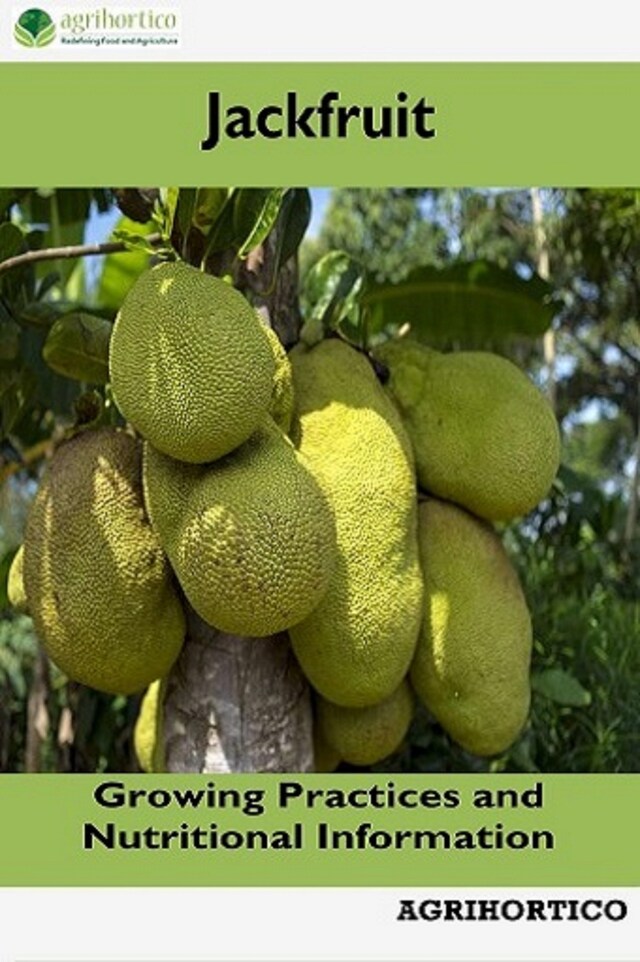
[[98, 26], [34, 28]]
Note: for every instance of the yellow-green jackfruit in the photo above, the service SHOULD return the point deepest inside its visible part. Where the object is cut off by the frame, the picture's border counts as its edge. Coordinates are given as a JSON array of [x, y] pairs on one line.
[[281, 408], [15, 583], [471, 667], [484, 436], [99, 586], [356, 646], [364, 736], [190, 363], [148, 732], [250, 537]]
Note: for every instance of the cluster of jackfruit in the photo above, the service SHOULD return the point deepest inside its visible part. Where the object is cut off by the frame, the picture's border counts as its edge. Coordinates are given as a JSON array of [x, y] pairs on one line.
[[282, 492]]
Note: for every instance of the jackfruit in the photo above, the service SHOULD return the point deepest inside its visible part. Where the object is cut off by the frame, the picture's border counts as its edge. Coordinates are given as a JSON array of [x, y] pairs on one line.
[[250, 537], [281, 407], [148, 732], [325, 758], [99, 586], [16, 594], [471, 667], [356, 646], [484, 436], [190, 363], [364, 736]]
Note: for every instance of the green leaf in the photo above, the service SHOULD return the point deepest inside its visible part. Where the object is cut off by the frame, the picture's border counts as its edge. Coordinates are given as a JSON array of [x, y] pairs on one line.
[[330, 296], [134, 241], [12, 241], [561, 687], [184, 212], [293, 220], [222, 234], [18, 387], [169, 202], [23, 36], [18, 284], [52, 391], [47, 283], [39, 313], [195, 214], [77, 346], [469, 303], [521, 754], [121, 270], [46, 36], [210, 202], [254, 215], [9, 339]]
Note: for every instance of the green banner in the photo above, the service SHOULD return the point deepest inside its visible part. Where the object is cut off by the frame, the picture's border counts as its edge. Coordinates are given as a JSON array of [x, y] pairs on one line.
[[289, 830], [320, 124]]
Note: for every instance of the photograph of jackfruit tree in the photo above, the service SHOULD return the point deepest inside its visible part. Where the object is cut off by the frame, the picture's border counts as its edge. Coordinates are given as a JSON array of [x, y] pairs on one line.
[[309, 480]]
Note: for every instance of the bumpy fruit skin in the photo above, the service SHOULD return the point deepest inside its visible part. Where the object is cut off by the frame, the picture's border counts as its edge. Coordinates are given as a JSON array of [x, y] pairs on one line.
[[281, 407], [356, 646], [483, 434], [190, 363], [99, 585], [250, 537], [148, 732], [471, 667], [364, 736], [16, 593]]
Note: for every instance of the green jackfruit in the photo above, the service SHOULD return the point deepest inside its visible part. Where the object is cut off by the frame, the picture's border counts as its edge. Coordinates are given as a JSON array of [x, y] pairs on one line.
[[250, 537], [15, 583], [325, 758], [190, 363], [148, 732], [364, 736], [483, 434], [99, 586], [356, 646], [281, 408], [471, 667]]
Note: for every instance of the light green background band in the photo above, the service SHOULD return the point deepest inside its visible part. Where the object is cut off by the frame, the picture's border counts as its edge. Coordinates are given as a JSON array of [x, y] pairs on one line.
[[498, 124], [593, 819]]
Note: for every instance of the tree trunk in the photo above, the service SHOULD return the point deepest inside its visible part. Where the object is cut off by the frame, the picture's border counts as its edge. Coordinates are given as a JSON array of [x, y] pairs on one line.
[[236, 705], [242, 704], [542, 249]]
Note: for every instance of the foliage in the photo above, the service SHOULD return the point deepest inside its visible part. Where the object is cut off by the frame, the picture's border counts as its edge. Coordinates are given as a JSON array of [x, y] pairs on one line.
[[382, 228]]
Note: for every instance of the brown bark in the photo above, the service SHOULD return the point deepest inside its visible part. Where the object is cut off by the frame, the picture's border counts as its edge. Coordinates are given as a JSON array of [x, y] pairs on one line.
[[241, 704], [236, 705]]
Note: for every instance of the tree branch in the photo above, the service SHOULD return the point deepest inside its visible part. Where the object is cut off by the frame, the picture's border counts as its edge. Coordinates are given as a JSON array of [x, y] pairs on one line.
[[65, 253]]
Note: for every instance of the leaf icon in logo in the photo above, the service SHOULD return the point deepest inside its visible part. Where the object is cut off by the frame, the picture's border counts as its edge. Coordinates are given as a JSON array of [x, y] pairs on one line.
[[46, 36], [34, 28], [23, 36]]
